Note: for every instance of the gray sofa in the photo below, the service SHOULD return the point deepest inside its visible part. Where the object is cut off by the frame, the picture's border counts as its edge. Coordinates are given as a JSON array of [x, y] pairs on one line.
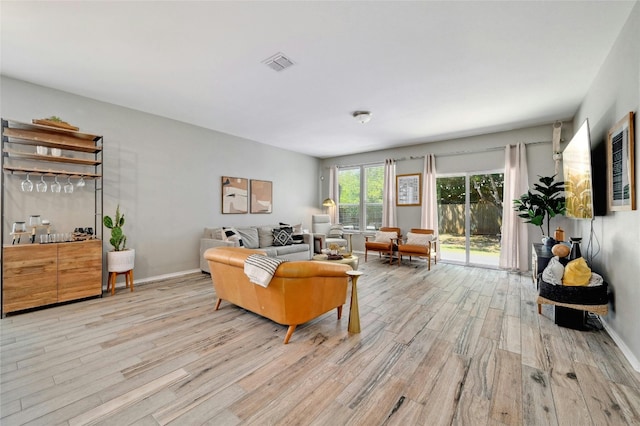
[[256, 237]]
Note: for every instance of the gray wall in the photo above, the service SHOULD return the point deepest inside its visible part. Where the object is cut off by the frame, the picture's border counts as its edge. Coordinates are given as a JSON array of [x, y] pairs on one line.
[[478, 153], [615, 92], [165, 174]]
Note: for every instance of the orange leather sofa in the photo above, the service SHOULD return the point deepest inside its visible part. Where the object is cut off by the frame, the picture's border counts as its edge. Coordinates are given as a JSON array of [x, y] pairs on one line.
[[298, 292]]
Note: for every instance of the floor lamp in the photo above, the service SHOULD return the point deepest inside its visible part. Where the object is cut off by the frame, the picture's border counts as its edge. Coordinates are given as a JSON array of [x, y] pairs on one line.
[[328, 203]]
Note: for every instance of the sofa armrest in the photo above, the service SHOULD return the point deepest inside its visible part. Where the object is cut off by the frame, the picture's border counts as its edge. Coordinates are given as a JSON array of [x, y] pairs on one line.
[[318, 242], [308, 239], [207, 243]]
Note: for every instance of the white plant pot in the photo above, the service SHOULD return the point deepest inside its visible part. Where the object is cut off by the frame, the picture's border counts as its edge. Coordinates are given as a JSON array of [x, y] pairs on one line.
[[121, 261]]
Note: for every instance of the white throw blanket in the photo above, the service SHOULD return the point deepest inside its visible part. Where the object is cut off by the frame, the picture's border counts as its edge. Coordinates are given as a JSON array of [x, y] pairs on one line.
[[260, 268]]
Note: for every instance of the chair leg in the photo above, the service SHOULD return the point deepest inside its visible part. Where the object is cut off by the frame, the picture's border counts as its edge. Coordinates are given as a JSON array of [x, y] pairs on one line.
[[218, 303], [290, 331], [339, 308]]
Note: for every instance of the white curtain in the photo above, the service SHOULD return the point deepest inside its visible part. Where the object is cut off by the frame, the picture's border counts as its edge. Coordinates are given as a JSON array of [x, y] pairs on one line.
[[514, 244], [429, 212], [333, 193], [389, 216]]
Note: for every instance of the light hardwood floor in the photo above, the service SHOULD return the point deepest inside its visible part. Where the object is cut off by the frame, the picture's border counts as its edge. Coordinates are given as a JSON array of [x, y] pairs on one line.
[[454, 345]]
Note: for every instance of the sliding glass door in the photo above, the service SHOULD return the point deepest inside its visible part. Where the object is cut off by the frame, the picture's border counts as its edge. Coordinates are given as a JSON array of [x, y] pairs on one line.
[[470, 217]]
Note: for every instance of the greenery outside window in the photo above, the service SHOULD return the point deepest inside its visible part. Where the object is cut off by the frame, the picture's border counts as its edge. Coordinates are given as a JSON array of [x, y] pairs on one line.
[[355, 211]]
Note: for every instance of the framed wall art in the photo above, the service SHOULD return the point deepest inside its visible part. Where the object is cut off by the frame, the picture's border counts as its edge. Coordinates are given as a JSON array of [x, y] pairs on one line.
[[621, 178], [261, 196], [235, 195], [408, 190]]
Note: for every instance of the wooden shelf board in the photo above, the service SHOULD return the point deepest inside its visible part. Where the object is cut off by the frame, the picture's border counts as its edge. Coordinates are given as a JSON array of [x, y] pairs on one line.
[[52, 158], [31, 137], [36, 171], [53, 129]]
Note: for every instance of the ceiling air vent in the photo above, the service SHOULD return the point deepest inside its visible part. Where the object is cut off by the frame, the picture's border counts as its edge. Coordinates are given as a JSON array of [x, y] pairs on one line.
[[278, 62]]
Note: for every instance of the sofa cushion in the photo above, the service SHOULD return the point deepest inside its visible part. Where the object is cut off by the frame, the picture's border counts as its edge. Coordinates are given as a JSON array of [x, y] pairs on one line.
[[265, 236], [250, 237], [231, 234], [282, 236], [293, 248], [213, 233], [270, 251]]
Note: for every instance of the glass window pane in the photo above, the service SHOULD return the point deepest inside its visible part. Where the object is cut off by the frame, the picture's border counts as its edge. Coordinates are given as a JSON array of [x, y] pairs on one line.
[[374, 186], [451, 213], [481, 245], [349, 197], [485, 192]]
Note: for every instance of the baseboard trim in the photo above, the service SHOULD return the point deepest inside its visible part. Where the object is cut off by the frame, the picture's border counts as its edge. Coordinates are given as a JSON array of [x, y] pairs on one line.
[[623, 347], [167, 276], [160, 277]]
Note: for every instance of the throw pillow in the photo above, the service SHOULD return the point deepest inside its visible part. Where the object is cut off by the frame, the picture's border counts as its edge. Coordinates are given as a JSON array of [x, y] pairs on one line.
[[249, 237], [576, 273], [215, 233], [415, 239], [553, 272], [336, 231], [282, 236], [265, 236], [231, 234], [385, 237], [297, 229]]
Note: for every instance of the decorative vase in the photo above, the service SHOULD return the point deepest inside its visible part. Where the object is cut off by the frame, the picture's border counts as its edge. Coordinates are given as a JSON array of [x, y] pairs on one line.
[[575, 248], [121, 261], [548, 241]]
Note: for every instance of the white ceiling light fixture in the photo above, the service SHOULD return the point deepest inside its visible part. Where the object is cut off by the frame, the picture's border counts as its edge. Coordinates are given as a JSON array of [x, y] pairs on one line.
[[362, 116]]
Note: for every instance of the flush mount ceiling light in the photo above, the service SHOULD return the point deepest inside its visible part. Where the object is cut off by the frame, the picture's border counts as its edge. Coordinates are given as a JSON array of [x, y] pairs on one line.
[[362, 116]]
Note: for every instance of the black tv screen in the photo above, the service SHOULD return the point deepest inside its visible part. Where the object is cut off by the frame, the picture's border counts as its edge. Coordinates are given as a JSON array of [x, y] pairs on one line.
[[577, 171]]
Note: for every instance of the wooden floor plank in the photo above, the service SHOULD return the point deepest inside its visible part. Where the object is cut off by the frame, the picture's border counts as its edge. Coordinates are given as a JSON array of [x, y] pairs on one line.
[[453, 345]]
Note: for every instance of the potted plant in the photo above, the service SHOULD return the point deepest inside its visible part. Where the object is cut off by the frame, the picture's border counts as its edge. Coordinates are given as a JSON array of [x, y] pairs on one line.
[[120, 259], [547, 200]]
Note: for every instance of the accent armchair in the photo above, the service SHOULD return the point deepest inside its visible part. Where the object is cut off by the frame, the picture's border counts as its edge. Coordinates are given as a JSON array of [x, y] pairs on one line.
[[385, 241], [420, 243], [324, 233]]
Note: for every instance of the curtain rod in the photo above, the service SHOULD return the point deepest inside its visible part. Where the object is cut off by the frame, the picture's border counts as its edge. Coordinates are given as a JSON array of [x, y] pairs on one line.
[[448, 154]]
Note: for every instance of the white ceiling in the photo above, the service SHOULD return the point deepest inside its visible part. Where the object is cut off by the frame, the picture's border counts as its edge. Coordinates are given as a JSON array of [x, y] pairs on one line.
[[427, 70]]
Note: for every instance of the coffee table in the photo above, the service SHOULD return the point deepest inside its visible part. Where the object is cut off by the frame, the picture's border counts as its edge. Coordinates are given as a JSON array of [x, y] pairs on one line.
[[351, 261]]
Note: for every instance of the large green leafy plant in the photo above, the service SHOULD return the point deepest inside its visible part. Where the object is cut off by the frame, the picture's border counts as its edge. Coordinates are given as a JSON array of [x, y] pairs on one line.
[[546, 199], [118, 240]]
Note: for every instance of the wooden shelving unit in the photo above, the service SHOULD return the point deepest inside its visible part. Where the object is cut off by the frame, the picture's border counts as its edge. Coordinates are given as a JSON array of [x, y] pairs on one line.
[[36, 274]]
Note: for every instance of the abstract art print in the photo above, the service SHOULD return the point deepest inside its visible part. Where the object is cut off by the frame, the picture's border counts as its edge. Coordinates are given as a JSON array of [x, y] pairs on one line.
[[235, 193], [261, 193]]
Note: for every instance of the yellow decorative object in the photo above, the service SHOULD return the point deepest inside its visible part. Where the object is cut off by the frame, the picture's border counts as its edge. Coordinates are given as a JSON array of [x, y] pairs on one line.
[[558, 235], [576, 273], [560, 250]]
